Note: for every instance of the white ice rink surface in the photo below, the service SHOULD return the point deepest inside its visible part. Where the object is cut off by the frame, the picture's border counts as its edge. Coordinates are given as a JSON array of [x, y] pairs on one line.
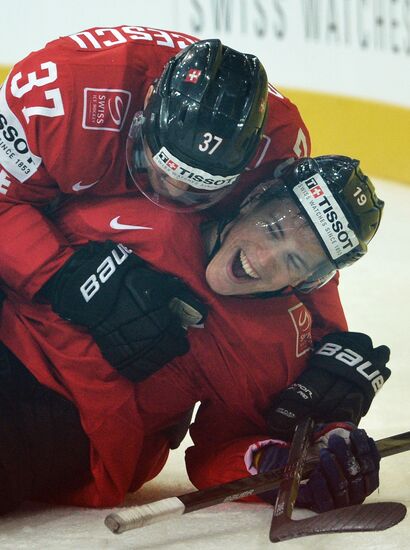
[[375, 295]]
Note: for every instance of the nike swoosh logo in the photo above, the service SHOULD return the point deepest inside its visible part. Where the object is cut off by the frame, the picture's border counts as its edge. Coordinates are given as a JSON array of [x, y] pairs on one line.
[[115, 224], [79, 187]]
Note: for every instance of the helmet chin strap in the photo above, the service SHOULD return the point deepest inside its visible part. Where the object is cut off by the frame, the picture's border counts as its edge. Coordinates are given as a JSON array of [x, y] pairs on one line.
[[221, 225]]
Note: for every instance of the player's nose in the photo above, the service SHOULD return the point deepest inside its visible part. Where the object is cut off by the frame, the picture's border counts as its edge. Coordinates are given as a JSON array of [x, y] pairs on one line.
[[268, 255], [175, 187]]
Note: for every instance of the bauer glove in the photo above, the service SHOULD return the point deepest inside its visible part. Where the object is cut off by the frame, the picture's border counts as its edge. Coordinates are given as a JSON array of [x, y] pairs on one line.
[[342, 378], [136, 315], [347, 470]]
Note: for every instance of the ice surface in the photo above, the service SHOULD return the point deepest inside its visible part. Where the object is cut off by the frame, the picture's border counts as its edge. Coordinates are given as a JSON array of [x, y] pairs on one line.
[[375, 295]]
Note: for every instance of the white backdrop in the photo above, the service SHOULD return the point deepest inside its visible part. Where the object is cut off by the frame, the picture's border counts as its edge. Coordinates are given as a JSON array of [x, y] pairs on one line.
[[359, 48]]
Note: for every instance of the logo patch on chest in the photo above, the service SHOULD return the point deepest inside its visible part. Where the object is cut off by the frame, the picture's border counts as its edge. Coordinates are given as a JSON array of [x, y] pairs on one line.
[[302, 321], [105, 109]]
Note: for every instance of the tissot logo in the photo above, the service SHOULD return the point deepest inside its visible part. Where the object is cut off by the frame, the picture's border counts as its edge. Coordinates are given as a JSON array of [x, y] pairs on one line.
[[15, 154], [105, 109], [327, 215], [333, 215], [188, 174], [11, 135]]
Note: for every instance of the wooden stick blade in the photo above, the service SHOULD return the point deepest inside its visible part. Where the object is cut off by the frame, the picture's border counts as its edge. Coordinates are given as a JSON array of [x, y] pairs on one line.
[[376, 516]]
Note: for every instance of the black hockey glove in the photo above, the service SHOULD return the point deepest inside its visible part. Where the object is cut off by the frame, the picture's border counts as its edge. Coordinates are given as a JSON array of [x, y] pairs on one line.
[[136, 315], [347, 469], [342, 378]]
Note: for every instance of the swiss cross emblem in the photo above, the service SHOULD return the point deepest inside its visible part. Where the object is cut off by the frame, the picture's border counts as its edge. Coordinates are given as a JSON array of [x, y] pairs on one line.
[[193, 76], [316, 191], [172, 164]]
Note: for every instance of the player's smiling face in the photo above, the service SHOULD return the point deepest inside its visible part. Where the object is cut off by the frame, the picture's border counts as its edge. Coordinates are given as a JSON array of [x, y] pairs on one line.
[[266, 249]]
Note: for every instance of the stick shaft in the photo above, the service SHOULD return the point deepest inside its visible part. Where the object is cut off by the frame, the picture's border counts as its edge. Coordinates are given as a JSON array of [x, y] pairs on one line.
[[137, 516], [259, 483], [394, 444]]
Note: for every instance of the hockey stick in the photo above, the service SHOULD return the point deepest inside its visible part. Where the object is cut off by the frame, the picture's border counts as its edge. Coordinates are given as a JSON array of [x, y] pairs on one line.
[[146, 514], [292, 475], [368, 517]]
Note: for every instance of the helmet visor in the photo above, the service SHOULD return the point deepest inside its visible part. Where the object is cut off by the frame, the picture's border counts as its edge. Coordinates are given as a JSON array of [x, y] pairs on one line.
[[169, 182], [269, 246]]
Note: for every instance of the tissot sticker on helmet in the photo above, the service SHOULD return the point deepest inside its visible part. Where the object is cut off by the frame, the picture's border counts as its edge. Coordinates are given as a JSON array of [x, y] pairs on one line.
[[351, 194], [195, 177], [327, 216]]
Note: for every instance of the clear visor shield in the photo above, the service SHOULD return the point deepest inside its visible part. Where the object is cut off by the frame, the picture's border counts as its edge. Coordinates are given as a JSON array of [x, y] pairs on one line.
[[275, 246], [169, 182]]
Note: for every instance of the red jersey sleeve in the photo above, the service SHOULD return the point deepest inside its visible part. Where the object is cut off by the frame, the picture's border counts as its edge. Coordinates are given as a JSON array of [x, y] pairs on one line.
[[64, 117], [29, 244]]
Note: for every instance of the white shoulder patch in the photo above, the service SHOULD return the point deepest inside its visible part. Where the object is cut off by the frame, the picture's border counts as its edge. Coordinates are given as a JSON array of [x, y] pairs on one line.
[[15, 154]]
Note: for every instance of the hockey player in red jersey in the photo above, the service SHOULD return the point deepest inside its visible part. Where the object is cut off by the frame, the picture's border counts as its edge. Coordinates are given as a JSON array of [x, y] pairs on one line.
[[71, 113], [125, 110], [252, 271]]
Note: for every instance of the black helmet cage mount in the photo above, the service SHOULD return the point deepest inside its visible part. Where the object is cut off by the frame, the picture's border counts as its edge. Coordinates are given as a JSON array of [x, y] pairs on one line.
[[208, 108]]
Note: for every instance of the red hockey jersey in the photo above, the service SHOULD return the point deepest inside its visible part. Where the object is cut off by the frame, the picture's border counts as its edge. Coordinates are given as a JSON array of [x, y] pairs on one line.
[[65, 111], [249, 349]]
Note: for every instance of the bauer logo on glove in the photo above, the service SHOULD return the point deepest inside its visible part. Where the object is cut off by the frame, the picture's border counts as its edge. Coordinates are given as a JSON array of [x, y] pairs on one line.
[[353, 359], [342, 350], [104, 271], [339, 384], [137, 316]]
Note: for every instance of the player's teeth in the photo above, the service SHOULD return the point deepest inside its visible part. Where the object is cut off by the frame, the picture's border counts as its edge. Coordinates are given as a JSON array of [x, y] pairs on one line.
[[247, 268]]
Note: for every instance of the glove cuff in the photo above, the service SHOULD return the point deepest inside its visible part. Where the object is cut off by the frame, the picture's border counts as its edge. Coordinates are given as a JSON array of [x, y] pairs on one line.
[[322, 429], [251, 455]]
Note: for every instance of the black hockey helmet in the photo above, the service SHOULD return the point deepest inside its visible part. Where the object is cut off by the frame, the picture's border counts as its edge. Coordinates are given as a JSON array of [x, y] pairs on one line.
[[203, 122], [340, 202]]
